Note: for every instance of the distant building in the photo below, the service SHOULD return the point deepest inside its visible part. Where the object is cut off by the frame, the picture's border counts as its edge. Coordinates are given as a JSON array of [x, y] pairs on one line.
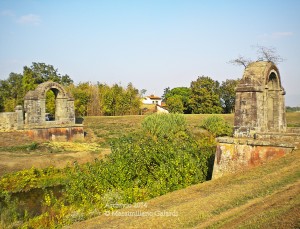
[[152, 99], [161, 109]]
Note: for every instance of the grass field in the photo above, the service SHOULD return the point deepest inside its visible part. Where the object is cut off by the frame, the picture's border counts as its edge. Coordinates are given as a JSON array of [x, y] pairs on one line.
[[267, 196], [16, 152], [264, 197], [102, 129]]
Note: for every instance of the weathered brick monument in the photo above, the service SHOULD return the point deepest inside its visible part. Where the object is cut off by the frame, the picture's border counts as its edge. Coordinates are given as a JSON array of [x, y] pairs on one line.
[[260, 131], [32, 118]]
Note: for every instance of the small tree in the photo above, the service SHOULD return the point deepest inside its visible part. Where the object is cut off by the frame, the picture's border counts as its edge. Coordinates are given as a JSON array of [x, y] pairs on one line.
[[241, 61], [227, 94], [268, 54], [173, 96], [263, 54]]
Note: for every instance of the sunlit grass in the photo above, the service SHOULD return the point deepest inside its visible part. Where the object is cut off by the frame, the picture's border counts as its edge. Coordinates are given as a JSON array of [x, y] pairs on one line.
[[267, 196]]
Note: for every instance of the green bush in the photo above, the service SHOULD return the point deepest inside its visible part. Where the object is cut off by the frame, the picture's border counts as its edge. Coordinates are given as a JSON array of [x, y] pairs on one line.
[[139, 168], [163, 157], [9, 213], [164, 125], [217, 126]]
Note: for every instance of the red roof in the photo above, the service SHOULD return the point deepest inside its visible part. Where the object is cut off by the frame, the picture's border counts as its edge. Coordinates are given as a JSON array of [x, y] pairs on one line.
[[153, 97]]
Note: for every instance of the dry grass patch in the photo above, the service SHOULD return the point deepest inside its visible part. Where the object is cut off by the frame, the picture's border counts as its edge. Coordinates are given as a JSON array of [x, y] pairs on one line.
[[73, 146], [100, 130], [293, 119]]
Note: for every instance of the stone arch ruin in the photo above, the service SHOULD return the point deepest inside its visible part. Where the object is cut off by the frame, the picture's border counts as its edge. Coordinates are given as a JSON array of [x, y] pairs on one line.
[[31, 118], [35, 105], [260, 104], [260, 131]]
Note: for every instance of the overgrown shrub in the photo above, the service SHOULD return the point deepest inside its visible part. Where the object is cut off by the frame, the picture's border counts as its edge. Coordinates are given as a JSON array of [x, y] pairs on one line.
[[217, 126], [164, 125], [9, 213], [163, 157]]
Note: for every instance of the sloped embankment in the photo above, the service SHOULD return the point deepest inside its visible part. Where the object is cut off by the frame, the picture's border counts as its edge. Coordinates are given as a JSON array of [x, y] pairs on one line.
[[267, 196]]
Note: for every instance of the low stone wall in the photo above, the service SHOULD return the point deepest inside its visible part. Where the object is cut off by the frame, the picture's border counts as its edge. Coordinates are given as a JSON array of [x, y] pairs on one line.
[[8, 121], [233, 155], [293, 136], [59, 133], [293, 130]]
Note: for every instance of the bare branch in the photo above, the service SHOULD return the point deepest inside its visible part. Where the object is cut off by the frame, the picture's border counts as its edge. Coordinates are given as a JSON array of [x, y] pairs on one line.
[[268, 54], [241, 61]]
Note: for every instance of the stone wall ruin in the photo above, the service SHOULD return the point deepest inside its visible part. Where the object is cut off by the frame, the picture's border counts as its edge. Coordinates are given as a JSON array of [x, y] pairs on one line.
[[12, 120], [32, 118]]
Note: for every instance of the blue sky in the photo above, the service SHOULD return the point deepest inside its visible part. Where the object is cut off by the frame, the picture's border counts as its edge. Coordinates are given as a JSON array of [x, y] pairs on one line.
[[152, 43]]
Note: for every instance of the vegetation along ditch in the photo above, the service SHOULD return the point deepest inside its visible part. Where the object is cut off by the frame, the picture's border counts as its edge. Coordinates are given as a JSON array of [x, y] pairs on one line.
[[163, 156]]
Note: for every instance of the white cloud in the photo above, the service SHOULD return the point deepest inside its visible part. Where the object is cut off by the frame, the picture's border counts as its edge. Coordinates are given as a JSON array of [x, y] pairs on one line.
[[275, 35], [29, 19], [278, 35]]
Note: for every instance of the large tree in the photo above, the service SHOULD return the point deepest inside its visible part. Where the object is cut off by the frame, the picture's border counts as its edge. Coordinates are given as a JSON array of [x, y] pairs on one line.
[[11, 92], [227, 95], [117, 100], [39, 73], [175, 104], [205, 97], [166, 91], [173, 96], [132, 98], [82, 98]]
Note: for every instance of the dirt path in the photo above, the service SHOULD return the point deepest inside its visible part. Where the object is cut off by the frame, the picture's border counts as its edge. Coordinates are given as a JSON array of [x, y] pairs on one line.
[[14, 138]]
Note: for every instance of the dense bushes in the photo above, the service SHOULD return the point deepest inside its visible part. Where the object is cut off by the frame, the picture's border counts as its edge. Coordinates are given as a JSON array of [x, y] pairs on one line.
[[217, 126], [162, 157], [164, 125]]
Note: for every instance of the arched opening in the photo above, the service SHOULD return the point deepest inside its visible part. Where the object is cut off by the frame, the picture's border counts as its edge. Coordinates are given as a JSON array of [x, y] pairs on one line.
[[272, 111], [273, 82], [50, 104]]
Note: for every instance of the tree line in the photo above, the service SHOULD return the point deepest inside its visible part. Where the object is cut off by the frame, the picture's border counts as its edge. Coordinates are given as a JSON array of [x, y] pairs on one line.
[[89, 99], [208, 96], [204, 95]]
